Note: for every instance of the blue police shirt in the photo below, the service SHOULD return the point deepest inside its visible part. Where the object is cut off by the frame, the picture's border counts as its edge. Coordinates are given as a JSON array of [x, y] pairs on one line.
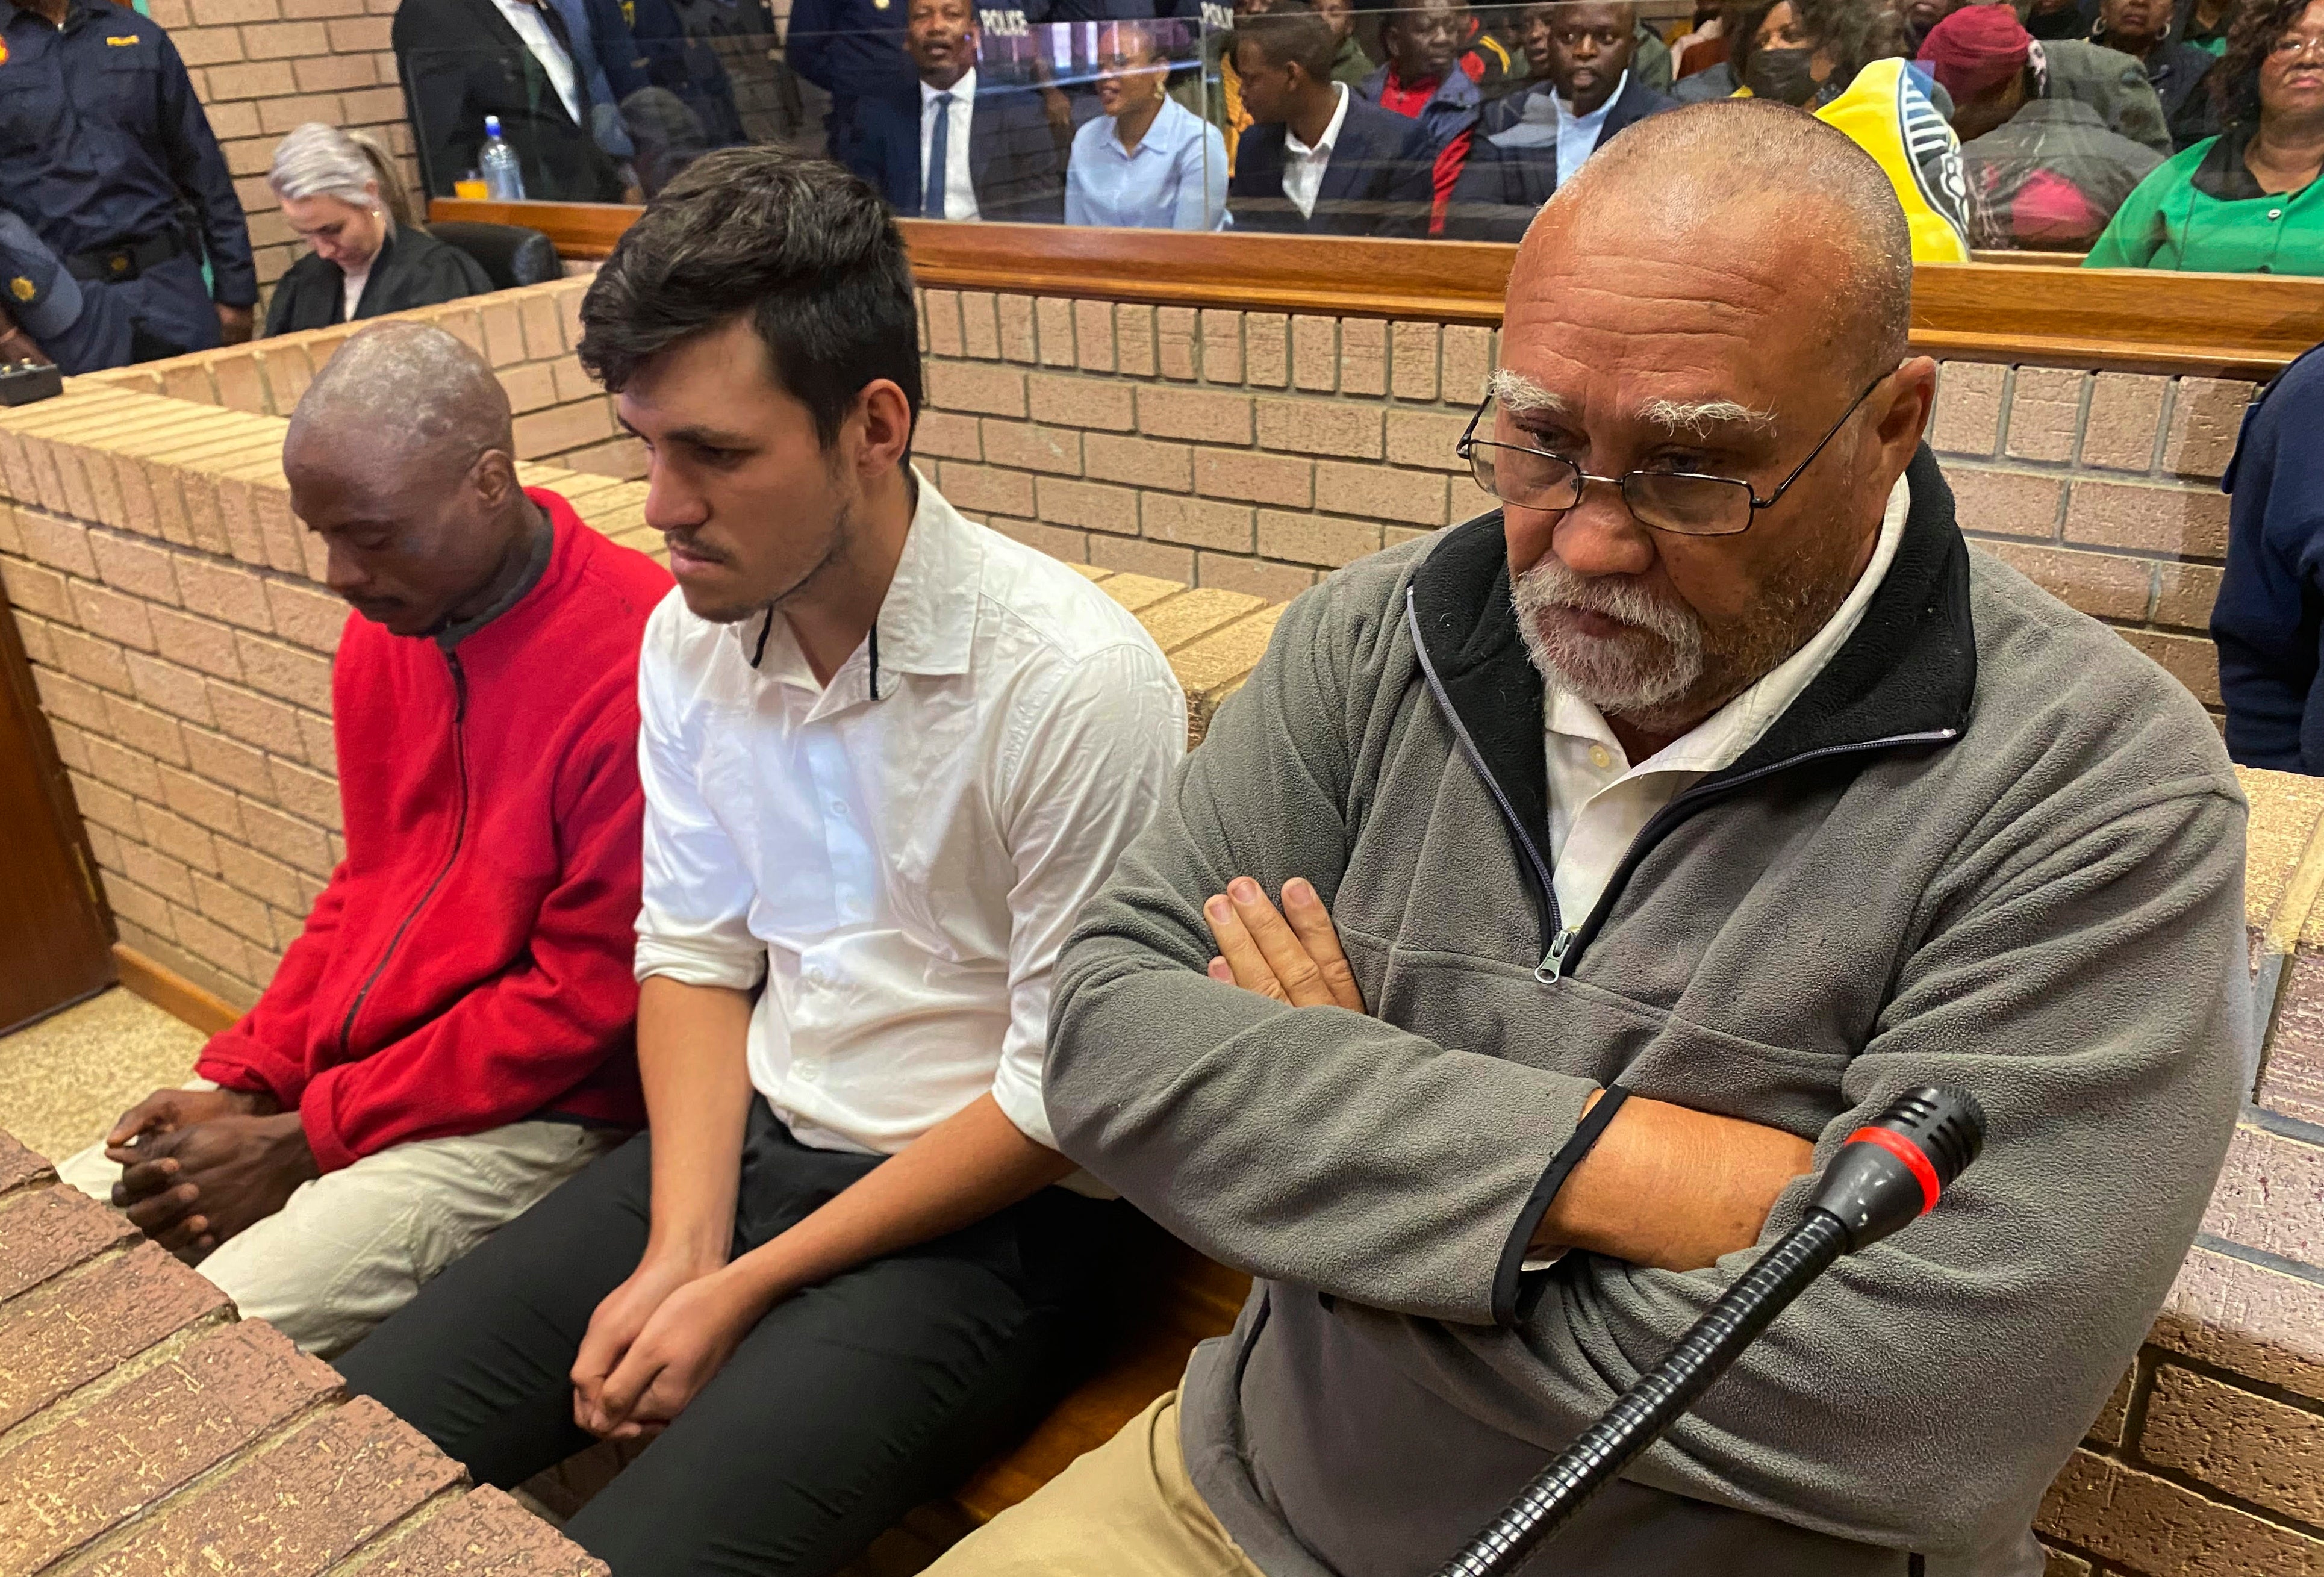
[[101, 138]]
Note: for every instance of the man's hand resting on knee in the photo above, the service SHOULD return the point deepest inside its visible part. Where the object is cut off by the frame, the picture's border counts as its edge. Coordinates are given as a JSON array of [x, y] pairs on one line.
[[200, 1166], [1665, 1185]]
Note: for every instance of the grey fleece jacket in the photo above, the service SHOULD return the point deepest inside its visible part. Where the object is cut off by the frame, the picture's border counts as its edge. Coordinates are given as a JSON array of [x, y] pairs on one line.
[[1990, 845]]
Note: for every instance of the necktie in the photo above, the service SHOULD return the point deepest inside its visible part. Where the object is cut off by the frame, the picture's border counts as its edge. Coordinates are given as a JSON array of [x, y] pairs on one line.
[[563, 36], [932, 200]]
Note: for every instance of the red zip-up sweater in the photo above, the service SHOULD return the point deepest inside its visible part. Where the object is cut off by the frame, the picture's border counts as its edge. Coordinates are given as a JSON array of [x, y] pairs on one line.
[[469, 965]]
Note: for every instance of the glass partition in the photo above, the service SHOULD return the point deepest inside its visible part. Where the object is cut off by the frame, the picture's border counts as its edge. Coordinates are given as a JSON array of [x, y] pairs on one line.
[[1431, 120]]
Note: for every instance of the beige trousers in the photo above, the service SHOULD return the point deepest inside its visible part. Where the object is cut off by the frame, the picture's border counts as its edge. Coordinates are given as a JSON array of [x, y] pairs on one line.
[[1126, 1509], [351, 1247]]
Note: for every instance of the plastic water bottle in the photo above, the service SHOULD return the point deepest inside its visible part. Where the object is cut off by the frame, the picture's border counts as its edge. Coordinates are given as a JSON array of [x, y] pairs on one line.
[[503, 180]]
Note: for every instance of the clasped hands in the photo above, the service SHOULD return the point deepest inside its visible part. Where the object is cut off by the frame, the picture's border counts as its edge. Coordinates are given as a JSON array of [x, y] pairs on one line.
[[200, 1166]]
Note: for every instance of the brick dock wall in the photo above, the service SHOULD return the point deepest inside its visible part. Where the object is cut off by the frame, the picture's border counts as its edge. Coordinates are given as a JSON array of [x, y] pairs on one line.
[[1257, 453], [144, 1429], [181, 645]]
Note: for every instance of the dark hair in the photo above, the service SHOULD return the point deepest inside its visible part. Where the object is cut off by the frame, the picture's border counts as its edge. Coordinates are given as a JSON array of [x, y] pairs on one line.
[[804, 249], [2235, 81], [1853, 33], [1289, 34]]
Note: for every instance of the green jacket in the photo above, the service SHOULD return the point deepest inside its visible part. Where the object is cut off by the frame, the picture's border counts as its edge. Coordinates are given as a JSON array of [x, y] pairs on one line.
[[2203, 212], [1353, 65]]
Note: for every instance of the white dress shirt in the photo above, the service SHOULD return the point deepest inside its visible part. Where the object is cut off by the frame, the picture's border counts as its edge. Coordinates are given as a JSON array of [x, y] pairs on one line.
[[1599, 802], [900, 871], [351, 289], [959, 192], [543, 44], [1304, 167]]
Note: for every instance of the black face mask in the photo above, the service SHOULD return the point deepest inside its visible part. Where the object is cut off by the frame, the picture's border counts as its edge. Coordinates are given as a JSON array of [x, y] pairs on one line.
[[1781, 75]]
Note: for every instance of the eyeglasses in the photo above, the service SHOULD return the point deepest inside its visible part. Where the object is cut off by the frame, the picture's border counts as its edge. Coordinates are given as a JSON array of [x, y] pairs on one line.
[[2291, 46], [1682, 502]]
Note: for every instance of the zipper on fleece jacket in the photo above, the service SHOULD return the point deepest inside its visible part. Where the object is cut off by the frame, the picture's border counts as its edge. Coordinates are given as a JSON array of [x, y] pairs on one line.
[[1562, 948], [459, 837]]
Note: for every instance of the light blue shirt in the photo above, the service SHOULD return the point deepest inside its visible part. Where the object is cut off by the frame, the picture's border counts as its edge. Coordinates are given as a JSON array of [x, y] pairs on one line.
[[1546, 117], [1177, 179]]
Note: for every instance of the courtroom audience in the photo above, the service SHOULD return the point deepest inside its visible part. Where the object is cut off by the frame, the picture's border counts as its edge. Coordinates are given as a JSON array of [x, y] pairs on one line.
[[1223, 83], [1423, 80], [2265, 622], [1702, 45], [1349, 64], [886, 755], [463, 60], [2204, 23], [1318, 160], [449, 1037], [2142, 29], [1147, 162], [1843, 59], [2248, 200], [2044, 173], [967, 153], [342, 196], [1921, 16], [1635, 843], [2113, 84], [1529, 146]]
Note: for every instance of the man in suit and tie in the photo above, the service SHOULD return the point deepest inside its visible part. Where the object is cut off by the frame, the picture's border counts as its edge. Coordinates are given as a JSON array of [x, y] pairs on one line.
[[464, 60], [1317, 159], [966, 154], [1531, 142]]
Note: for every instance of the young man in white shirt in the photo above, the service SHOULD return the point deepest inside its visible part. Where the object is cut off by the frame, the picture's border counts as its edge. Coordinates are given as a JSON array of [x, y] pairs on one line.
[[886, 754], [1317, 159]]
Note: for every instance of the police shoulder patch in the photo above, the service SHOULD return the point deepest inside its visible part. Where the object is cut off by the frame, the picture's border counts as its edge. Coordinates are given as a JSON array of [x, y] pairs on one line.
[[23, 289], [122, 39]]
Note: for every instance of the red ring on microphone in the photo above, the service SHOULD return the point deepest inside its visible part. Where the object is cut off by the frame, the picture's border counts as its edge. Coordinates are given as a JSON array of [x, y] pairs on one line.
[[1906, 1151]]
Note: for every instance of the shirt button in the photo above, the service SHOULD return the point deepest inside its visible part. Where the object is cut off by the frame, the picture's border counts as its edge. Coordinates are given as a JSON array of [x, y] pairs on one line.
[[2275, 213], [808, 1072], [1599, 758]]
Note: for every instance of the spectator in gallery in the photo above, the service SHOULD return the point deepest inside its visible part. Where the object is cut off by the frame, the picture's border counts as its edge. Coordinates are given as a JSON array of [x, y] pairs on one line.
[[2043, 172], [1843, 59], [464, 61], [853, 50], [966, 153], [2264, 621], [1146, 162], [1349, 64], [2204, 23], [1531, 145], [342, 195], [2141, 29], [1701, 46], [1422, 80], [1318, 160], [1921, 16], [1222, 84], [2248, 200]]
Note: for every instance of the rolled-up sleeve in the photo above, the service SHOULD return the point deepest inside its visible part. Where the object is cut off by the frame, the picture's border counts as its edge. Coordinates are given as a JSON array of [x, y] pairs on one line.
[[1093, 760], [694, 924]]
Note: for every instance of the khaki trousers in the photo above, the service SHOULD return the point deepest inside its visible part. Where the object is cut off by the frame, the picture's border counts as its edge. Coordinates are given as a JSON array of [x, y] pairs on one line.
[[1126, 1509], [351, 1247]]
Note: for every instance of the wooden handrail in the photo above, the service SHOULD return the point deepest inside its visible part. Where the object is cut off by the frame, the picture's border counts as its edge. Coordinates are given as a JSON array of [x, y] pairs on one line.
[[2242, 326]]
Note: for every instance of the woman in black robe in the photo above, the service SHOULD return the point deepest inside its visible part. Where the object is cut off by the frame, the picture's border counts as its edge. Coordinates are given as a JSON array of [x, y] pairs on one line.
[[341, 193]]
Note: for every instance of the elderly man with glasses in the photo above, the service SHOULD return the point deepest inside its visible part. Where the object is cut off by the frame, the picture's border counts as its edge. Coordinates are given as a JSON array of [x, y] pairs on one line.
[[1635, 843]]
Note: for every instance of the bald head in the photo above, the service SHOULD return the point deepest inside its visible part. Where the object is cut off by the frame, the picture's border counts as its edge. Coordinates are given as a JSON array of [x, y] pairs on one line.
[[1766, 187], [404, 392], [1715, 309], [400, 457]]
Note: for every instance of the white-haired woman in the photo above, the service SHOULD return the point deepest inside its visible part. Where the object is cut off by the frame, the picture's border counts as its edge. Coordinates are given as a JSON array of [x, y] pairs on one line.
[[341, 193]]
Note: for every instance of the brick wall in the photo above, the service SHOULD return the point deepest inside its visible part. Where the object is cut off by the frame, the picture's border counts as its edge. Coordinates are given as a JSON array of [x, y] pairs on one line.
[[261, 66], [144, 1429], [1256, 452]]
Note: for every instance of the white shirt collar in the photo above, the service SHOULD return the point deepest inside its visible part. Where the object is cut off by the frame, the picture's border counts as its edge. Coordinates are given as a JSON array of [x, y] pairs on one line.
[[1596, 117], [962, 91], [1331, 137], [927, 621], [1719, 740]]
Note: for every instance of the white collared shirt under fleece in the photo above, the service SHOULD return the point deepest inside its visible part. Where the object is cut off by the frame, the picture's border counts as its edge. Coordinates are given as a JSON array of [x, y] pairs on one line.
[[900, 868]]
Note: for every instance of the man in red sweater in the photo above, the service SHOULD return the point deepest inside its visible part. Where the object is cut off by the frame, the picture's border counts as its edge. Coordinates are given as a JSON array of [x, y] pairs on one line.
[[451, 1034]]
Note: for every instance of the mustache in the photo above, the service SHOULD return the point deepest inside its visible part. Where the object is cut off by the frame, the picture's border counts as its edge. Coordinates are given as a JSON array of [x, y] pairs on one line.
[[1550, 584], [693, 546]]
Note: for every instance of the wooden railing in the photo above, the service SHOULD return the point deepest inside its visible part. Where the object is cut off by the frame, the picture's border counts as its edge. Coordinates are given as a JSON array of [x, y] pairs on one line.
[[2245, 326]]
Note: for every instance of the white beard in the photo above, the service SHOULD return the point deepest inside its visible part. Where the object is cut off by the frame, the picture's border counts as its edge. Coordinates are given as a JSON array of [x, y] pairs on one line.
[[1656, 660]]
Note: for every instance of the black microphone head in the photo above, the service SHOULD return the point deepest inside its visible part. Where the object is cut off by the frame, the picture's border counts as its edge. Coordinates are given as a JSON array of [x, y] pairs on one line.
[[1895, 1168]]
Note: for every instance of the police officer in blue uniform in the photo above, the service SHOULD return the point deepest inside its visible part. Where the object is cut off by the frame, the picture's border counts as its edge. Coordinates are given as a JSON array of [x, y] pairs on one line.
[[106, 154], [45, 315]]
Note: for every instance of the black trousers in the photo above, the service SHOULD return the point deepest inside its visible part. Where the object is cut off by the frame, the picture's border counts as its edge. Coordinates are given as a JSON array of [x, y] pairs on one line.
[[846, 1405]]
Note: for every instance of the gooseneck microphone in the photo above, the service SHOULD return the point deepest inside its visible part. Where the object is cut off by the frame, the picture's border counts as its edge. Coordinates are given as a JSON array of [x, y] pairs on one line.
[[1886, 1175]]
